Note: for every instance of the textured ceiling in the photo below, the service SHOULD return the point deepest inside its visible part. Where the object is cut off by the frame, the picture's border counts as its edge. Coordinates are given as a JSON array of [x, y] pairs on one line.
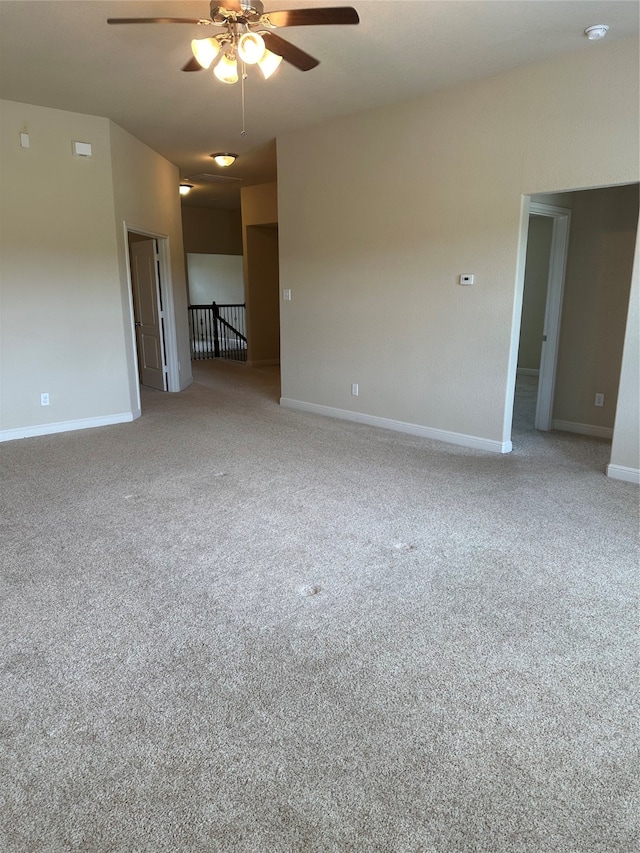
[[64, 55]]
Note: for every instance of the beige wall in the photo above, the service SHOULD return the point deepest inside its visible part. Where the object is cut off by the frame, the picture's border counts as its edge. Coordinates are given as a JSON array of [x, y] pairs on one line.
[[260, 239], [215, 278], [216, 232], [626, 441], [259, 204], [372, 251], [262, 309], [534, 298], [604, 223], [66, 320], [61, 310]]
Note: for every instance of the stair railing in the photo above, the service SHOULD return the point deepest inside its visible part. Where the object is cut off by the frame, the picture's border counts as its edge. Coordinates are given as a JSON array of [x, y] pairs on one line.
[[218, 331]]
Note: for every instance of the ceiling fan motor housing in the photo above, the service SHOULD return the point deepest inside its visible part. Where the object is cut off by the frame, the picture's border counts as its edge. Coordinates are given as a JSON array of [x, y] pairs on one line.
[[244, 11]]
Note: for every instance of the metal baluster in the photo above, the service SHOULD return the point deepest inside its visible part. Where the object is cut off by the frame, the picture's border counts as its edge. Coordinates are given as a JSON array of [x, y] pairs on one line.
[[216, 331]]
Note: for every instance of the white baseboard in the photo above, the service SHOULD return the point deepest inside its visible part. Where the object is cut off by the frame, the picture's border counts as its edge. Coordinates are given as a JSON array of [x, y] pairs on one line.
[[67, 426], [583, 429], [621, 472], [471, 441], [528, 371]]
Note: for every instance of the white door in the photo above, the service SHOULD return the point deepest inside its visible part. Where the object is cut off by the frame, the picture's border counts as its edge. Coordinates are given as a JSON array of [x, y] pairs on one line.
[[148, 315]]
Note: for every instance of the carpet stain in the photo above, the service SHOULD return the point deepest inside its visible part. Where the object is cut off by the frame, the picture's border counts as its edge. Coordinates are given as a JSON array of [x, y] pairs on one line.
[[404, 546], [309, 589]]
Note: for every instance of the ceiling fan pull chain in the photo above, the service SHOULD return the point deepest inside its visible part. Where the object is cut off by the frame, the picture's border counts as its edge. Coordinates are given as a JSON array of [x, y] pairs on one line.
[[243, 75]]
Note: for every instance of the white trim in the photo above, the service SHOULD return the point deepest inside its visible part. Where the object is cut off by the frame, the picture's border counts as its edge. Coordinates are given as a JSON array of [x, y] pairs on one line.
[[68, 426], [528, 371], [561, 217], [171, 337], [458, 438], [583, 429], [516, 320], [621, 472]]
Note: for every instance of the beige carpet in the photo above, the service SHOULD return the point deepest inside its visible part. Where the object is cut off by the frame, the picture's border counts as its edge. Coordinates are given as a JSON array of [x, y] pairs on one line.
[[234, 627]]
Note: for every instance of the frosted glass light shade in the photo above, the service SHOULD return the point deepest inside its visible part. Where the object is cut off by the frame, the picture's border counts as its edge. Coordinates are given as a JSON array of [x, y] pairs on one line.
[[185, 189], [251, 48], [227, 69], [205, 51], [269, 63], [225, 159]]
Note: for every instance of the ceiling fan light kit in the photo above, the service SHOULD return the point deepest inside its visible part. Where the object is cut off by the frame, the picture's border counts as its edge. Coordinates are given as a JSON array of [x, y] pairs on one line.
[[205, 51], [269, 63], [248, 36], [226, 69], [251, 48]]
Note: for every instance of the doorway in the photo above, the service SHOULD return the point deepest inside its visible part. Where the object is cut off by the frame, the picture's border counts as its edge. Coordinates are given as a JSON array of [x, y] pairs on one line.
[[585, 307], [545, 267], [262, 295], [148, 316], [153, 338]]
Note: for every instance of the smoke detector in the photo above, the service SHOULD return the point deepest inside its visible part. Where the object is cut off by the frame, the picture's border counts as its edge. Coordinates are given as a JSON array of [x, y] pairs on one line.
[[597, 31]]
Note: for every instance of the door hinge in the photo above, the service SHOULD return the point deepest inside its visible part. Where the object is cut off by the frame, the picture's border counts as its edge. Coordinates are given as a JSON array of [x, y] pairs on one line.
[[544, 338]]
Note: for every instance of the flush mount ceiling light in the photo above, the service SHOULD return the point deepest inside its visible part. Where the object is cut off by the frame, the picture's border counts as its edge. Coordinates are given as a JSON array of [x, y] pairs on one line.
[[224, 158], [185, 189], [597, 31], [247, 36]]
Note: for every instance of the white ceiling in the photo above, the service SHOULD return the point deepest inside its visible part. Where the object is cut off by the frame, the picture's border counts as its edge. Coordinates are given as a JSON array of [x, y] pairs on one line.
[[62, 54]]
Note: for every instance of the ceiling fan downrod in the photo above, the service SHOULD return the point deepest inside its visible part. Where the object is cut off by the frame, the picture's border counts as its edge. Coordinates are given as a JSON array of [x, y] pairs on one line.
[[243, 12]]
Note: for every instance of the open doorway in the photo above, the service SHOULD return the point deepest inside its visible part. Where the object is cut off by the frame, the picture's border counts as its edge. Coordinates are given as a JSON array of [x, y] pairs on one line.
[[151, 309], [148, 315], [545, 267], [262, 277], [579, 260]]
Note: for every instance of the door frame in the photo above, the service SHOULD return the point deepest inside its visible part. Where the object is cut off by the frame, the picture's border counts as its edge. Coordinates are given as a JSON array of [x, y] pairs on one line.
[[553, 312], [166, 285], [561, 217]]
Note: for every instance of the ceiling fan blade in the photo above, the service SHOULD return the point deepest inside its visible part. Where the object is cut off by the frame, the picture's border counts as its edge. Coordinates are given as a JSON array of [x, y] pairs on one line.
[[289, 52], [312, 17], [157, 21], [192, 65]]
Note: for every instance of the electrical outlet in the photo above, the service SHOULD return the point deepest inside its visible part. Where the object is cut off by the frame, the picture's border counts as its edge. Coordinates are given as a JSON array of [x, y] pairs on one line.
[[599, 400], [44, 399], [354, 389]]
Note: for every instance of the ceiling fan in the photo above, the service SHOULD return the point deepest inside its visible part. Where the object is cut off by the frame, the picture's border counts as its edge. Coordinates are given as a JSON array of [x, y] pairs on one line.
[[247, 35]]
